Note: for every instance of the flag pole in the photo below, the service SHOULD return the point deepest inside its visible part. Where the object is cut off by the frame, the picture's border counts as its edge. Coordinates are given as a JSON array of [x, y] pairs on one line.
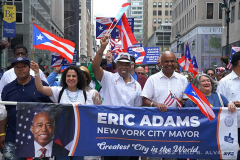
[[110, 27], [32, 42], [113, 27]]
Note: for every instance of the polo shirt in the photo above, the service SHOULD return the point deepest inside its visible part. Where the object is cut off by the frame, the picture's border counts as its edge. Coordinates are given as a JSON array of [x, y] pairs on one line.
[[20, 93], [118, 93], [158, 87]]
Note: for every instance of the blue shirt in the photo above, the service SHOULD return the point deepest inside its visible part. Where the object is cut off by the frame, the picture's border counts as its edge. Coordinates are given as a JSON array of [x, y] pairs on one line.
[[20, 93], [135, 76], [213, 100], [52, 79]]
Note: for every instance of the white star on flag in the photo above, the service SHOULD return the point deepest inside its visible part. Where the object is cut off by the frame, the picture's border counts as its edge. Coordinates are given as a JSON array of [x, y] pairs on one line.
[[117, 30], [27, 119], [29, 137], [21, 117], [35, 113], [18, 132], [29, 111], [135, 55], [100, 28], [40, 37], [20, 125], [193, 92], [16, 140], [23, 134], [21, 142], [25, 127]]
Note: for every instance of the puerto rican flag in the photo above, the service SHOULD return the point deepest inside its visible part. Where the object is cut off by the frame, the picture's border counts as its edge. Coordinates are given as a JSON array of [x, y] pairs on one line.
[[45, 40], [200, 100], [169, 100], [138, 53], [112, 43], [57, 59], [185, 61], [122, 10], [126, 34], [118, 49], [179, 104], [234, 50], [195, 66]]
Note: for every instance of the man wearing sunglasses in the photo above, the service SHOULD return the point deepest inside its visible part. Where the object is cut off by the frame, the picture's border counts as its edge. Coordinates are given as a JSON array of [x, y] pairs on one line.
[[211, 73]]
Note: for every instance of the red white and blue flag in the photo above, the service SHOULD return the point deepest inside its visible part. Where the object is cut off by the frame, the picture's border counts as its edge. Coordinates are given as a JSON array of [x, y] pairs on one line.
[[57, 59], [200, 100], [45, 40], [195, 66], [126, 34], [138, 53], [202, 71], [122, 10], [118, 49], [179, 104], [169, 100], [234, 50], [112, 43], [188, 65]]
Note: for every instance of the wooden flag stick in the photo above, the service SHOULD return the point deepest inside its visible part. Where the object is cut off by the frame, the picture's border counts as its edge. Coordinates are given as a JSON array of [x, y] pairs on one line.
[[32, 43], [113, 27]]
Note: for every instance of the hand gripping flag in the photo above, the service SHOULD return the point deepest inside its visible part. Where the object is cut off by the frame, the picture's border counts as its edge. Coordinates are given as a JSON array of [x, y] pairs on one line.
[[126, 35], [234, 50], [45, 40], [122, 10], [195, 66], [169, 100], [200, 100], [138, 53]]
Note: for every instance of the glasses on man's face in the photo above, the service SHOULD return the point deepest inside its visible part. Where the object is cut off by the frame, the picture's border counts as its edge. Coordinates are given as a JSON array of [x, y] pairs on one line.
[[21, 53], [210, 74], [143, 74]]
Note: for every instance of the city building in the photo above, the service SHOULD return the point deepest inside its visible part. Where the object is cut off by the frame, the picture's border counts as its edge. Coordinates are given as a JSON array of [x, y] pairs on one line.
[[136, 11], [155, 12], [198, 22], [45, 13]]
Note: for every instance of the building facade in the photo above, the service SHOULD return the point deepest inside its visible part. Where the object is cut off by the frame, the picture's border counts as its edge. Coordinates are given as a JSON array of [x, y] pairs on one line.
[[198, 21], [155, 12]]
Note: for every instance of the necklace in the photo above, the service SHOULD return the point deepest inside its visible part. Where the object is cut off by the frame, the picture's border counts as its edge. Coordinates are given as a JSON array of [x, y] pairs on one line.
[[72, 99]]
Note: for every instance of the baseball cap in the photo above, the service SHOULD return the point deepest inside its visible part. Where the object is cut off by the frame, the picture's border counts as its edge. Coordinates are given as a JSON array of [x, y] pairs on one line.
[[123, 57], [21, 59], [235, 57]]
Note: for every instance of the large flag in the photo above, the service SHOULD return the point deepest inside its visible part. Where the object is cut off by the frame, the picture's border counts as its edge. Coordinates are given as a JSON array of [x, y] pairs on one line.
[[138, 53], [127, 37], [45, 40], [200, 100], [122, 10], [195, 66], [234, 50]]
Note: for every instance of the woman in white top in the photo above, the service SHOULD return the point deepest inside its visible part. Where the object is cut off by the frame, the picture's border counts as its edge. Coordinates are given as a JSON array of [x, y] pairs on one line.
[[72, 87]]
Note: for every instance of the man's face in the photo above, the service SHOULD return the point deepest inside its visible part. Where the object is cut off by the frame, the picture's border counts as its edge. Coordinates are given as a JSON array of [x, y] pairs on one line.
[[140, 71], [108, 56], [168, 62], [43, 128], [20, 52], [123, 68], [211, 74], [22, 70]]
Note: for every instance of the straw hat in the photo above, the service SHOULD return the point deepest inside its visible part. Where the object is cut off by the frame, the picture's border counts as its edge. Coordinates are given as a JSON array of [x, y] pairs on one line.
[[85, 70]]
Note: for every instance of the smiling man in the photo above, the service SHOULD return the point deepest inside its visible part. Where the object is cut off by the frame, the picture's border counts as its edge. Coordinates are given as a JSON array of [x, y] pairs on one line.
[[158, 86]]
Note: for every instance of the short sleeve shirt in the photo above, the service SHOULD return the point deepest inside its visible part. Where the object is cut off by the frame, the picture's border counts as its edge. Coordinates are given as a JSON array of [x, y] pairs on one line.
[[118, 93], [158, 87]]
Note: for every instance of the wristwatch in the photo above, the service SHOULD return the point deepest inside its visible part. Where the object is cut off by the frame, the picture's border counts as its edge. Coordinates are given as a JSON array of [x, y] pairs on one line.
[[151, 104], [101, 54]]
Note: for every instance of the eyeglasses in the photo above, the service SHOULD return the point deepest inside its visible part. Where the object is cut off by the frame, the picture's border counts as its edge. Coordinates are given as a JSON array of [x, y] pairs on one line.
[[143, 74], [20, 53], [210, 74]]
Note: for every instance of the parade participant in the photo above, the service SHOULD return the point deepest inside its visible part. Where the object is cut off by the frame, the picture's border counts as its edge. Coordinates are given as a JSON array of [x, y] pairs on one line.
[[140, 70], [211, 73], [207, 85], [46, 74], [225, 73], [22, 89], [111, 66], [9, 76], [43, 129], [177, 67], [159, 64], [120, 89], [72, 89], [219, 72], [141, 79], [157, 87], [52, 77]]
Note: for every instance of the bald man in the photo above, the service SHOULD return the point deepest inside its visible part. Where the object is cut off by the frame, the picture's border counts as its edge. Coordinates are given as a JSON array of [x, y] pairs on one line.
[[159, 85], [140, 70]]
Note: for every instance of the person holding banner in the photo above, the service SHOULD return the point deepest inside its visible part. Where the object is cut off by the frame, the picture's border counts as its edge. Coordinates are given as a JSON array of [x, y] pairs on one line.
[[207, 86]]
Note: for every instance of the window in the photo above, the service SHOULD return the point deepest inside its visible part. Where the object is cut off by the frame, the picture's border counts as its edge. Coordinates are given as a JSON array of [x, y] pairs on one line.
[[210, 10], [159, 20], [19, 10], [154, 4], [233, 14], [219, 11], [160, 4], [166, 13], [171, 4], [166, 20], [166, 4], [154, 20], [154, 12], [170, 13], [159, 12], [170, 21]]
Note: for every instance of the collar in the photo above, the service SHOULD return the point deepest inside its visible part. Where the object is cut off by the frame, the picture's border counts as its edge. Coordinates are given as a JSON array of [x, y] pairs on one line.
[[233, 75], [163, 75], [15, 82], [119, 77], [38, 147]]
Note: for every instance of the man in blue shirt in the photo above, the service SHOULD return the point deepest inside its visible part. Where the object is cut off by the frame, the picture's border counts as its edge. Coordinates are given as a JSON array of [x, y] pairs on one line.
[[22, 89]]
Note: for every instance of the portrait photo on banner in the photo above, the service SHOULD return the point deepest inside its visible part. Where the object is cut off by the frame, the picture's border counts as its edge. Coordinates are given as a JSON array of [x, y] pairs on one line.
[[44, 130]]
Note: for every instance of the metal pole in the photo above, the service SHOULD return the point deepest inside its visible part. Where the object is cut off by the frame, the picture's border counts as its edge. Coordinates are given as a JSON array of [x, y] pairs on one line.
[[177, 44], [227, 20]]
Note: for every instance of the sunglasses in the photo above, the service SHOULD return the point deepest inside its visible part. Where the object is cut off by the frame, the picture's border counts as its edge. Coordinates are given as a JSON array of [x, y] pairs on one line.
[[210, 74], [143, 74]]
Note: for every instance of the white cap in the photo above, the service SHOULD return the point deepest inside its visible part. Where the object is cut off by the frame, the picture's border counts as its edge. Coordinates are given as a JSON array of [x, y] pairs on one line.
[[123, 57]]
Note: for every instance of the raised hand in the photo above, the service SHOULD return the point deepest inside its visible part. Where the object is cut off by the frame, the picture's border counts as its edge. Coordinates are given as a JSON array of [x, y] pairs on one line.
[[58, 69], [34, 67], [104, 41]]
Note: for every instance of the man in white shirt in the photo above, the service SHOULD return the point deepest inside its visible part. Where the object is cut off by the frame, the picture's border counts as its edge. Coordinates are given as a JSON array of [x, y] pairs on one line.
[[159, 85], [120, 89], [9, 76]]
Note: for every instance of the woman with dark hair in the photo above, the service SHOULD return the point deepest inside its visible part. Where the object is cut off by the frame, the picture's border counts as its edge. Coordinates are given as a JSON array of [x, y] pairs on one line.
[[72, 89], [207, 86]]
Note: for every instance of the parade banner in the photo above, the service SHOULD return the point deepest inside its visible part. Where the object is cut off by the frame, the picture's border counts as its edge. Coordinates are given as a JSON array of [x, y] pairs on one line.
[[9, 21], [146, 55], [103, 24], [125, 131]]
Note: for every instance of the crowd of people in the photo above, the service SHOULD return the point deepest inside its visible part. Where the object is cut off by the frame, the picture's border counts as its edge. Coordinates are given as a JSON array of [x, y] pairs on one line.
[[106, 82]]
